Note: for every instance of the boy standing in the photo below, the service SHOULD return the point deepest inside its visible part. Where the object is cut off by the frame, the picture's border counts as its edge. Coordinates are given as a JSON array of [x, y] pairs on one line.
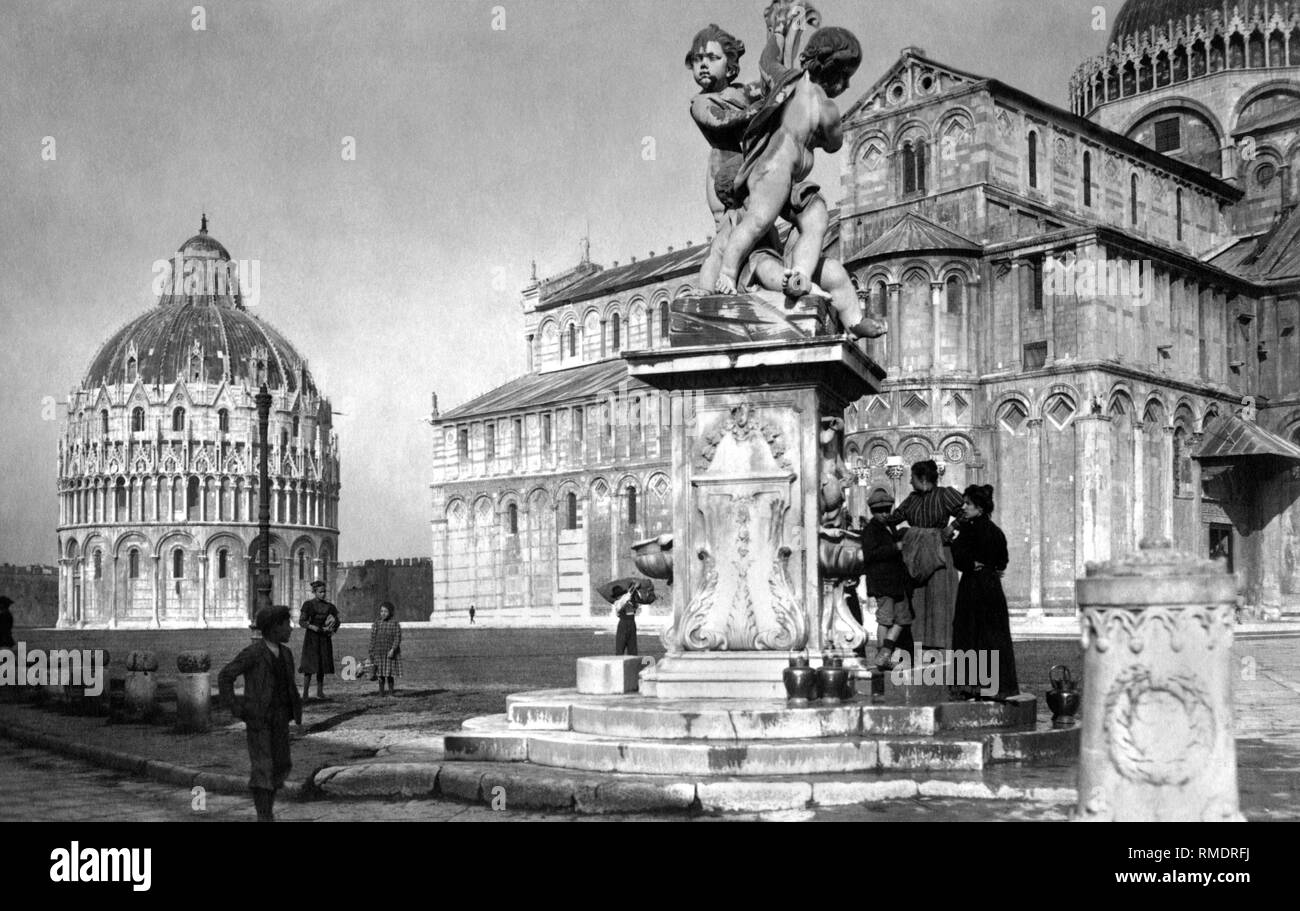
[[886, 577], [270, 699]]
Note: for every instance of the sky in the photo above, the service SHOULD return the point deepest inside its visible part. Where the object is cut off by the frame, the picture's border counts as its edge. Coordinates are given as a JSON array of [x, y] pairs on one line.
[[486, 135]]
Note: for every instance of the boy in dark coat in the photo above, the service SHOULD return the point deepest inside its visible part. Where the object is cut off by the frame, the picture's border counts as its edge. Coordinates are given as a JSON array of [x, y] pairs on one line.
[[270, 699], [886, 578]]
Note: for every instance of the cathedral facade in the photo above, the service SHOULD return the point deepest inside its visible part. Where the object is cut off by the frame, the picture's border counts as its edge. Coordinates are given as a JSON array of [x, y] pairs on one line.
[[1076, 298], [158, 464]]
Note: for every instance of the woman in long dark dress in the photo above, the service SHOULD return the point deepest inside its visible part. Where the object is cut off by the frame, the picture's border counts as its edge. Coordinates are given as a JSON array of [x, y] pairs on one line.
[[981, 621]]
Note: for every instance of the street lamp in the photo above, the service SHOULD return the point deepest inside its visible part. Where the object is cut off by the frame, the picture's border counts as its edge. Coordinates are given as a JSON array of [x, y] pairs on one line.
[[263, 600]]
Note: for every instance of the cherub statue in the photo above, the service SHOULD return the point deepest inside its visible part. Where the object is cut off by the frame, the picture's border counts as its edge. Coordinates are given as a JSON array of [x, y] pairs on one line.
[[835, 477], [796, 117], [722, 110]]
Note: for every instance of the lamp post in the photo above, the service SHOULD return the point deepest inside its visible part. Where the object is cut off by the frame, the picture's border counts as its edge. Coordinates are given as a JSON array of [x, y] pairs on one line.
[[263, 599]]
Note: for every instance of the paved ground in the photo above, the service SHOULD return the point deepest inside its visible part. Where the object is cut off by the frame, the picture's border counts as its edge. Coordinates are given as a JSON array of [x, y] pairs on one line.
[[453, 674]]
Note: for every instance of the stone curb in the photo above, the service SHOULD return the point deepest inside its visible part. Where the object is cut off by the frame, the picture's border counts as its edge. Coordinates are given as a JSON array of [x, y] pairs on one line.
[[141, 766], [528, 787]]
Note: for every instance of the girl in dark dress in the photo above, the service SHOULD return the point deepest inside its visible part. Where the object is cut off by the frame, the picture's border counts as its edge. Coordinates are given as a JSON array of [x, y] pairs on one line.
[[981, 621]]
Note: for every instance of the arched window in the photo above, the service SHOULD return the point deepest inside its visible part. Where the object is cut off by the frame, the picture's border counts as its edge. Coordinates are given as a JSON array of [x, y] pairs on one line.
[[133, 563], [631, 506], [137, 420], [192, 500], [196, 366], [579, 425], [284, 441], [615, 332], [223, 563], [1087, 178], [223, 420], [1178, 212], [573, 340], [663, 322], [512, 519], [1033, 159], [178, 420], [99, 564], [953, 288], [178, 564], [103, 421], [571, 517], [880, 298], [302, 564], [1133, 198], [119, 499], [130, 370], [914, 166], [297, 429]]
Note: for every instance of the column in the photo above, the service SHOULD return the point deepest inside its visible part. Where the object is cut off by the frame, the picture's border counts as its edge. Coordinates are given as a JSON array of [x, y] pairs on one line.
[[1139, 481], [112, 596], [157, 590], [936, 329], [968, 355], [1035, 482], [1201, 546], [530, 352], [1017, 305], [602, 338], [1092, 449], [895, 327], [202, 563], [1167, 477], [1273, 503]]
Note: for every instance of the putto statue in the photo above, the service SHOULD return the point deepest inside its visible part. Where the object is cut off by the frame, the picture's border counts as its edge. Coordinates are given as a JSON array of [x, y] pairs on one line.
[[764, 176]]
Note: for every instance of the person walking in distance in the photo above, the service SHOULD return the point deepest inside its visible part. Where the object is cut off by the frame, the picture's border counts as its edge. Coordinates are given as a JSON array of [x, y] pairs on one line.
[[321, 620], [270, 700], [471, 614], [386, 648]]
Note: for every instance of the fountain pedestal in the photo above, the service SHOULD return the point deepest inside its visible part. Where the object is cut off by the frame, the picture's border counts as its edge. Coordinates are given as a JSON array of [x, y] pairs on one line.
[[747, 469]]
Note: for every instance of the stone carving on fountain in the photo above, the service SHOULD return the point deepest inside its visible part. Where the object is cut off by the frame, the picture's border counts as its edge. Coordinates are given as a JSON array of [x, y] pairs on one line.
[[839, 550], [745, 601]]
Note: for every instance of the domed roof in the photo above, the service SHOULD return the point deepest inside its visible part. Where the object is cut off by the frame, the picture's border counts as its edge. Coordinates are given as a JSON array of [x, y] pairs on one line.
[[1139, 15], [189, 323]]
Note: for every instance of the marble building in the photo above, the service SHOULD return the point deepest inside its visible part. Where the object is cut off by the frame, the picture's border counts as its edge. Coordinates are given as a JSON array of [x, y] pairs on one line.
[[157, 466], [1079, 301]]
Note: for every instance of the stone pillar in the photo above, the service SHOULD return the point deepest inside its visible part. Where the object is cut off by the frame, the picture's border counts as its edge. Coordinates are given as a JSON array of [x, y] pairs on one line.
[[531, 354], [967, 356], [1167, 491], [1035, 484], [1273, 503], [202, 563], [1139, 481], [936, 327], [1157, 739], [112, 596], [157, 590], [1092, 468], [895, 352], [1203, 543], [1017, 305]]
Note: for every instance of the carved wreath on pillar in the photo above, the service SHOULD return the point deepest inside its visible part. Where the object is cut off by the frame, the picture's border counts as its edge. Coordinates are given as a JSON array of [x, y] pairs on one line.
[[742, 425], [1161, 729]]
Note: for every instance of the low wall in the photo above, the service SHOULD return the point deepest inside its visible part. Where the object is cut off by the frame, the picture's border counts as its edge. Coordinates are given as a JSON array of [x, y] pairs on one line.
[[407, 583], [34, 591]]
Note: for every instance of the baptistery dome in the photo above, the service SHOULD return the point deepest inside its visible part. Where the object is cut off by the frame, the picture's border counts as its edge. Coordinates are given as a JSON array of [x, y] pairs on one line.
[[158, 462], [1139, 16]]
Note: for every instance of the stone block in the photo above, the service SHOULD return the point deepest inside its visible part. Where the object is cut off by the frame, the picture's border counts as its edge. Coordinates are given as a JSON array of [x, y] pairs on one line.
[[169, 773], [540, 716], [608, 676], [460, 782], [481, 746], [932, 755], [906, 720], [843, 793], [1035, 746], [968, 790], [753, 796], [379, 780], [638, 797], [530, 790]]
